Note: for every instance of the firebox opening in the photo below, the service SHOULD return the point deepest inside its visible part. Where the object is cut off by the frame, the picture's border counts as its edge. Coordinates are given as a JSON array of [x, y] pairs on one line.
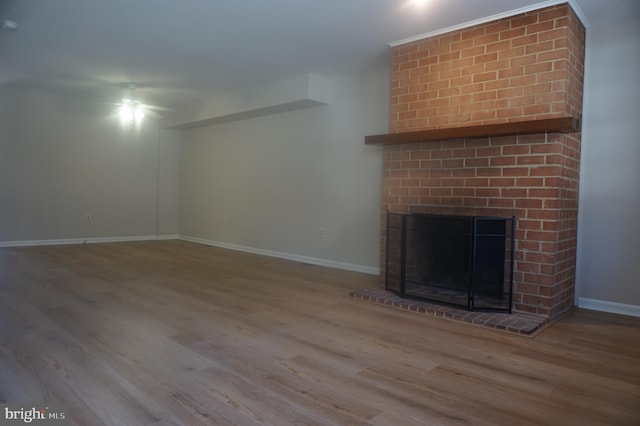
[[456, 260]]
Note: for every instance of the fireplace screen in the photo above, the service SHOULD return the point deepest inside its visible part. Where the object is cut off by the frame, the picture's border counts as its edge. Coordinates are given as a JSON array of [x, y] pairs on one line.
[[464, 261]]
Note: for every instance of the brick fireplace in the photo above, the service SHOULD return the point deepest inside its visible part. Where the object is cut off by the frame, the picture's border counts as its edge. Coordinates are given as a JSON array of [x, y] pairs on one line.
[[467, 137]]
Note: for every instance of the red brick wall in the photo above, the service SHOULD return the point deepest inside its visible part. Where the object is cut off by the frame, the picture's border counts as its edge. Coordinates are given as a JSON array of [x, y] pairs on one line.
[[518, 68], [529, 66]]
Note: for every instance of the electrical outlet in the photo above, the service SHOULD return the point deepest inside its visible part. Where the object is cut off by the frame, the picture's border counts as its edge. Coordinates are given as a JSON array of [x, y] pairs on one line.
[[323, 232], [88, 217]]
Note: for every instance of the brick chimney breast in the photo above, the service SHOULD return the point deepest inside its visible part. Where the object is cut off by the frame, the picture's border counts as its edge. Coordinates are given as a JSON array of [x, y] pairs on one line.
[[525, 67]]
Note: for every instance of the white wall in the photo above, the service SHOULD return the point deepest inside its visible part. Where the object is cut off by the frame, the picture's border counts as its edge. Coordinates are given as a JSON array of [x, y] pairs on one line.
[[271, 183], [62, 158], [609, 212]]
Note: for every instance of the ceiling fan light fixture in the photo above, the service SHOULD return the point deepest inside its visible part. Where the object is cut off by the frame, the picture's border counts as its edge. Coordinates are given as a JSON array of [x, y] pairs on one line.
[[126, 113], [131, 111], [138, 113]]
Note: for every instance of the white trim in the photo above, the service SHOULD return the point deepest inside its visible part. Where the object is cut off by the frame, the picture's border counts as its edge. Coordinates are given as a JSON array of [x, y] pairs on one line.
[[289, 256], [29, 243], [167, 237], [95, 240], [611, 307], [495, 17]]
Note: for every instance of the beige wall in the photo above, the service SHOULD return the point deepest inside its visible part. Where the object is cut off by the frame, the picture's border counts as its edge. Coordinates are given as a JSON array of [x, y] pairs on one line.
[[271, 183], [62, 158], [169, 182], [608, 225]]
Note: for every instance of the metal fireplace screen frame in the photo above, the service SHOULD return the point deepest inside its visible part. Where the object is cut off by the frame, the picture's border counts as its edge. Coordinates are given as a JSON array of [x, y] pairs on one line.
[[464, 261]]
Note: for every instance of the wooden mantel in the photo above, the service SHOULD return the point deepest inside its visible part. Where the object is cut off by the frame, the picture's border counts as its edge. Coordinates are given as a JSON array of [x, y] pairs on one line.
[[550, 125]]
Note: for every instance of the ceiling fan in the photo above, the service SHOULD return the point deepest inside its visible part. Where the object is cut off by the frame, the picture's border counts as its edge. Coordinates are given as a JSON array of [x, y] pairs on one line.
[[131, 109]]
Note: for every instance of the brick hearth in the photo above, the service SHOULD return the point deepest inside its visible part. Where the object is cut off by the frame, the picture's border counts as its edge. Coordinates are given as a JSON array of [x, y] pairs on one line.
[[518, 323]]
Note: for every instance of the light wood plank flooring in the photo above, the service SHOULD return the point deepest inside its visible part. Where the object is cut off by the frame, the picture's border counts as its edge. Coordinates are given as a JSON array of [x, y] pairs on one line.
[[175, 333]]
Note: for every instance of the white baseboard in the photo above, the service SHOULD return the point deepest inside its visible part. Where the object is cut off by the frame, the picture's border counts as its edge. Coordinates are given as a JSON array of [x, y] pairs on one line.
[[289, 256], [92, 240], [29, 243], [610, 307], [167, 237]]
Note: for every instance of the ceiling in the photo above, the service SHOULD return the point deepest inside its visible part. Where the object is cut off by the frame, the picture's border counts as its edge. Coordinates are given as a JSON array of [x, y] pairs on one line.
[[186, 50]]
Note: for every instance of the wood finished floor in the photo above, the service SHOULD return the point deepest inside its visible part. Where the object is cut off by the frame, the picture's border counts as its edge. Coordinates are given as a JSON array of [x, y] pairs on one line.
[[166, 333]]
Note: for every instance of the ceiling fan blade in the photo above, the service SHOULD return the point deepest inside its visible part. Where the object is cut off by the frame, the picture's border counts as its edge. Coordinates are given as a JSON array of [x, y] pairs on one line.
[[157, 108], [152, 114]]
